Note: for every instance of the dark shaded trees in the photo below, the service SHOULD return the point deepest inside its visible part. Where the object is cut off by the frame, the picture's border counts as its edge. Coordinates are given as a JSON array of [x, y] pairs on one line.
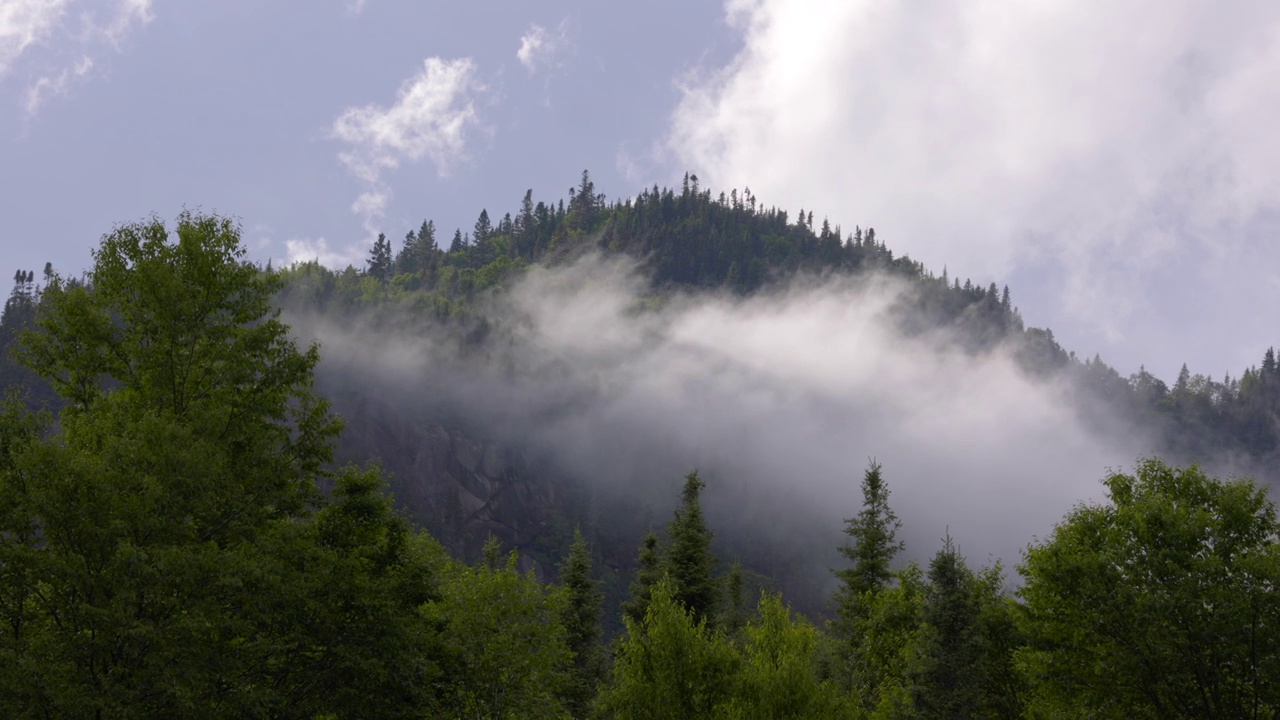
[[165, 550], [948, 678], [580, 616], [648, 572], [689, 562], [380, 263]]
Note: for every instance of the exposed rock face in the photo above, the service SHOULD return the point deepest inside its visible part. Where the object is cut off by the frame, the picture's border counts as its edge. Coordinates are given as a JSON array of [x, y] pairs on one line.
[[461, 487]]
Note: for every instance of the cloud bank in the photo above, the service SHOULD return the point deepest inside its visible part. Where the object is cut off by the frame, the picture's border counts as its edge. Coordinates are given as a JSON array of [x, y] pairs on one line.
[[1093, 153], [779, 400], [431, 118]]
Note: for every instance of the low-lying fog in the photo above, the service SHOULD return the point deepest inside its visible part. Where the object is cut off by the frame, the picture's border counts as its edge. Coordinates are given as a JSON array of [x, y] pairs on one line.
[[779, 400]]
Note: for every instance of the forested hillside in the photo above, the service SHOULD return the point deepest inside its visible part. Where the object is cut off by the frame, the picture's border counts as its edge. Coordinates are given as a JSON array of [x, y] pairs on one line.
[[180, 534], [689, 241]]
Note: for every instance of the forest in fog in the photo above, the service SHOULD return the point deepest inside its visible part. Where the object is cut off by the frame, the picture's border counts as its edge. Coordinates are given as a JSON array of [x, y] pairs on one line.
[[677, 455]]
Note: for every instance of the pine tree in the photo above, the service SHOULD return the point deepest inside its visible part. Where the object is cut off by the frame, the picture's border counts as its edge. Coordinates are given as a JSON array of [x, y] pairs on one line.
[[580, 616], [458, 245], [689, 562], [873, 535]]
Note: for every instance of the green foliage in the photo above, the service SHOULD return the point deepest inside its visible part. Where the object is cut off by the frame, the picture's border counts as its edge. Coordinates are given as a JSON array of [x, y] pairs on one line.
[[885, 652], [162, 555], [580, 616], [671, 666], [504, 650], [1159, 604], [779, 677]]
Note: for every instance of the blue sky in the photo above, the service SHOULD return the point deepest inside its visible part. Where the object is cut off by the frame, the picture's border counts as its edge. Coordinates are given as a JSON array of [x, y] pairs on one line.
[[1114, 164]]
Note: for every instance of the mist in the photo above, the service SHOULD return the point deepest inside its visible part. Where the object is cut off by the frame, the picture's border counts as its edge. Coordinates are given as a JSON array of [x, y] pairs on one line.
[[779, 400]]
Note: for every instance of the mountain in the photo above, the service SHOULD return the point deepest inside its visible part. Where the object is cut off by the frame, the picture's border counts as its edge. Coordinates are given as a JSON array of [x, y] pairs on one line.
[[449, 367]]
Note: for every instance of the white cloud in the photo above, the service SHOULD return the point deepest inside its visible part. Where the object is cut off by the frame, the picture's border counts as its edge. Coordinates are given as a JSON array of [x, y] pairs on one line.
[[301, 250], [538, 48], [24, 24], [430, 119], [66, 47], [1109, 150]]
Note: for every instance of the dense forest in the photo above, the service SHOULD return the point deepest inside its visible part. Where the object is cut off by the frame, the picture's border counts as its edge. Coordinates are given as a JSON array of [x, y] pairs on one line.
[[188, 530]]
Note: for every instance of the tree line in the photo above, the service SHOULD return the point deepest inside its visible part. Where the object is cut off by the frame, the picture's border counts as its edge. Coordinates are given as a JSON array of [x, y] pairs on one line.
[[176, 541], [688, 240]]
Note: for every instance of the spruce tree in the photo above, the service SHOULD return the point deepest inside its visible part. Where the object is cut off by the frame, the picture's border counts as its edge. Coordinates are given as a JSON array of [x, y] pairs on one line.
[[648, 572], [580, 616], [483, 228], [948, 680], [380, 258], [407, 258], [873, 544], [735, 610], [689, 562]]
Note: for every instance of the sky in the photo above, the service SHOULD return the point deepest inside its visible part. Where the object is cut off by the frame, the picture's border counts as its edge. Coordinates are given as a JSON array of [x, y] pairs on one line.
[[1115, 164]]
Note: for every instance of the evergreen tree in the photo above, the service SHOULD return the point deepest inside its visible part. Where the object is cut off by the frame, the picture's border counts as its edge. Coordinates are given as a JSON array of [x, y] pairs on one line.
[[948, 682], [580, 615], [525, 223], [458, 245], [648, 572], [379, 265], [408, 257], [483, 229], [873, 535], [735, 612], [427, 237], [689, 562]]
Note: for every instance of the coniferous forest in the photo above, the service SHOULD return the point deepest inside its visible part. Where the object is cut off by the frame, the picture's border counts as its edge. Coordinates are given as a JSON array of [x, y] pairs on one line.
[[206, 512]]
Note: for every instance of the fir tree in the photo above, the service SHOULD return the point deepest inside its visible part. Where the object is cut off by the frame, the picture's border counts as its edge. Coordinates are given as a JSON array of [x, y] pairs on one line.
[[483, 229], [380, 258], [873, 544], [689, 562], [948, 681], [580, 616], [648, 572]]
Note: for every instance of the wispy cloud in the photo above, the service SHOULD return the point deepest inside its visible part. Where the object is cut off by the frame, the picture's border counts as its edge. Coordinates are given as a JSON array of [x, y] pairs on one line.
[[67, 34], [431, 118], [24, 24], [540, 48], [55, 85]]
